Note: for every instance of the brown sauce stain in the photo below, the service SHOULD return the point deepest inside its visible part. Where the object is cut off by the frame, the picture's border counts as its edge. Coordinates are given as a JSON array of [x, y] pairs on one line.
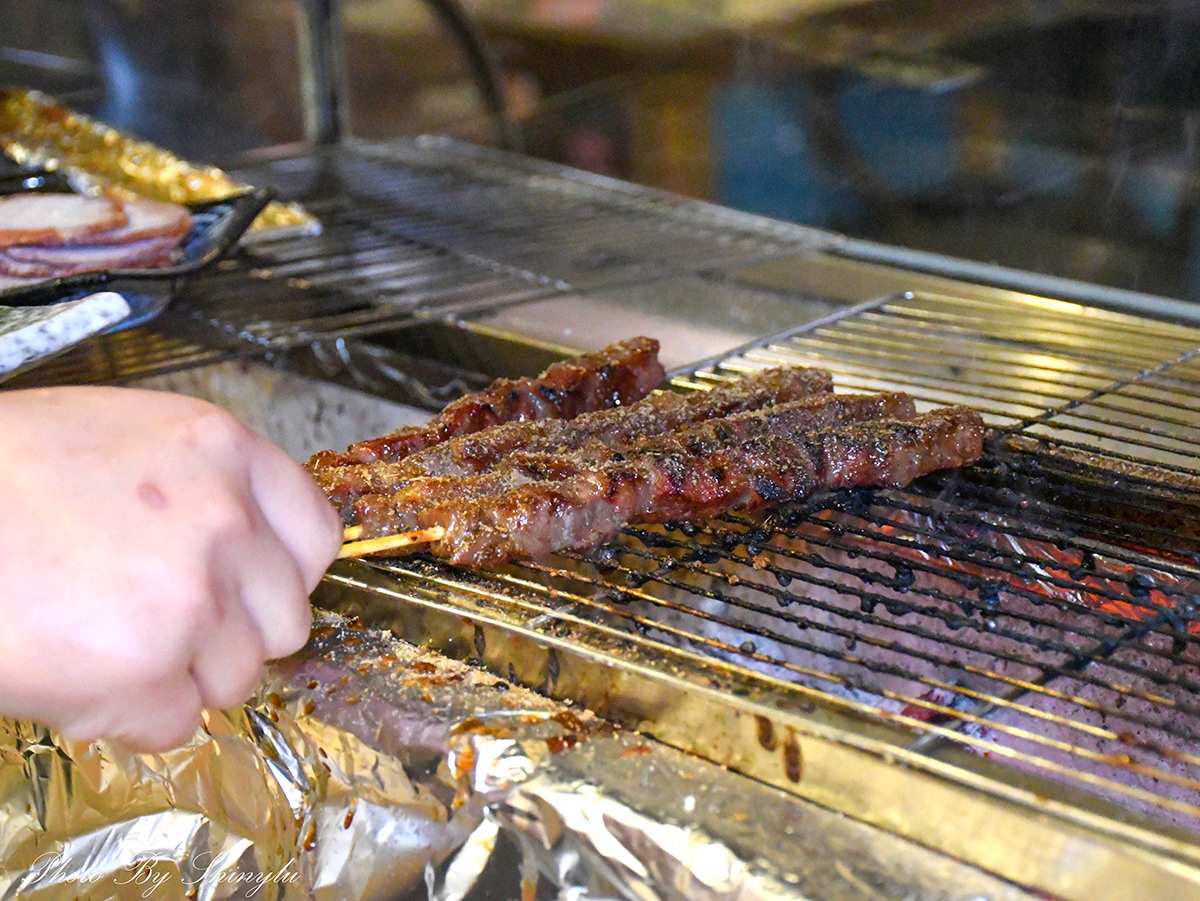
[[568, 719], [556, 743], [793, 762], [766, 732]]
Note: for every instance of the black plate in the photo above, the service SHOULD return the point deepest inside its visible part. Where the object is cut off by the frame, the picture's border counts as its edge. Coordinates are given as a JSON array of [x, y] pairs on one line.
[[216, 227]]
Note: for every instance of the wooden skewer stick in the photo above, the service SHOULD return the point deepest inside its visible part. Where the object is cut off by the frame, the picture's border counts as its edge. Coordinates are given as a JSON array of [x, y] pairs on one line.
[[390, 542], [352, 533]]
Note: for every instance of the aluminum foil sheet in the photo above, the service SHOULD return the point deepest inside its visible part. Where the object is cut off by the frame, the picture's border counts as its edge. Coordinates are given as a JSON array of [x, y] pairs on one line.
[[38, 131], [370, 768]]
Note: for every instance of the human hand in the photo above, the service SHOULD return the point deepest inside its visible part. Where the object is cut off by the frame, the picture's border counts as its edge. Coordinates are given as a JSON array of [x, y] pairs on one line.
[[154, 553]]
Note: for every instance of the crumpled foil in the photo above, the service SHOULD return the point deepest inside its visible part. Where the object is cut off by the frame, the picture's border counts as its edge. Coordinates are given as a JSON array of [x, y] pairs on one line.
[[370, 768]]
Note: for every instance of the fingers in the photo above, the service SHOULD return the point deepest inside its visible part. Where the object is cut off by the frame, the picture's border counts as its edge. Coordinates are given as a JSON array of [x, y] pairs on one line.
[[165, 717], [271, 595], [229, 537], [272, 529], [297, 512], [228, 655]]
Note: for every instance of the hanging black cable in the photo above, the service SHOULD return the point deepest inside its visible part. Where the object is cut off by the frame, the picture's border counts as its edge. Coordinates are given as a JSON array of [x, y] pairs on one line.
[[485, 69]]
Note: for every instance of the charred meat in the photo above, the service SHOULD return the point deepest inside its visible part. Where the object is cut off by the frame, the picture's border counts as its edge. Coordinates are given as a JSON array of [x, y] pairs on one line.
[[480, 452], [682, 476], [402, 508], [620, 374]]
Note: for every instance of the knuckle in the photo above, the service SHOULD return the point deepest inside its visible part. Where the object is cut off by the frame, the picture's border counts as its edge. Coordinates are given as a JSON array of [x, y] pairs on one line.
[[173, 731], [192, 603], [216, 433], [158, 668], [292, 634]]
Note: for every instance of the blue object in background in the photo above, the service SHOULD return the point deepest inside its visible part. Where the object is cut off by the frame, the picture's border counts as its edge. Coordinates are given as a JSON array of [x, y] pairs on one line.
[[907, 138], [875, 139], [765, 161]]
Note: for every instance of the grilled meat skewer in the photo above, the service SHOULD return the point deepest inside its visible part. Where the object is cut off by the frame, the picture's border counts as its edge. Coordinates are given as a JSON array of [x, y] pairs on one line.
[[621, 373], [401, 510], [480, 452], [685, 478]]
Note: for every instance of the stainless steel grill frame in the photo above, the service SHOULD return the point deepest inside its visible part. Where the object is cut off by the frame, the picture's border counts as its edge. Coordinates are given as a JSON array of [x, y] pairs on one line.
[[1013, 647]]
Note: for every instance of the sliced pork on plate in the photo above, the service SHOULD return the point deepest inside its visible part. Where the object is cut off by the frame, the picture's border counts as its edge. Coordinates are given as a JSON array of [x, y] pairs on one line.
[[50, 235], [50, 219]]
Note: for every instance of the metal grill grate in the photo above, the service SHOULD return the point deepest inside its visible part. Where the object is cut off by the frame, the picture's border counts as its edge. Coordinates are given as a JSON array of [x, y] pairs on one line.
[[1038, 610], [428, 228]]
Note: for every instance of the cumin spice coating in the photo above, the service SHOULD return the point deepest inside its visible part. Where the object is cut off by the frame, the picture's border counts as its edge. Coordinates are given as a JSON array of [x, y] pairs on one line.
[[402, 509], [621, 373], [688, 477], [480, 452]]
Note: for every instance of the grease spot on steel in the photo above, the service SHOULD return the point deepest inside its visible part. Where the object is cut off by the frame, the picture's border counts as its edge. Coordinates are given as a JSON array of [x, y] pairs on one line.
[[551, 670], [793, 762], [766, 732]]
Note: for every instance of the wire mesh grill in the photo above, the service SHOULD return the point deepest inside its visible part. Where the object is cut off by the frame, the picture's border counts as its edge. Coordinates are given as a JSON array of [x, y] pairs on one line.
[[1039, 608], [418, 229]]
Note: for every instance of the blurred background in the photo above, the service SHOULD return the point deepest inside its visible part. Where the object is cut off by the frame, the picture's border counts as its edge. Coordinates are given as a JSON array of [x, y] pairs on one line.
[[1051, 136]]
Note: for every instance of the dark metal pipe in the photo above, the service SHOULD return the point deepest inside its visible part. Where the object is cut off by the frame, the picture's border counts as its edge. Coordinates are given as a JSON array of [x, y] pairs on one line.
[[322, 68]]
